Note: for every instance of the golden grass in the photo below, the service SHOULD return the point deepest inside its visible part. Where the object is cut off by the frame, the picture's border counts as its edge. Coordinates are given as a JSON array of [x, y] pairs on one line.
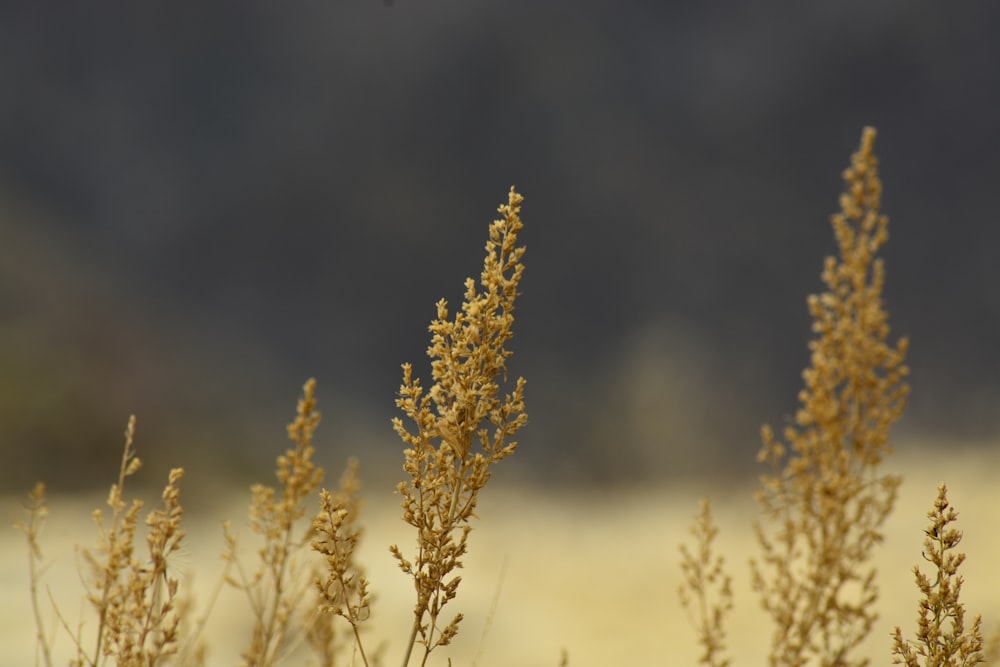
[[585, 580]]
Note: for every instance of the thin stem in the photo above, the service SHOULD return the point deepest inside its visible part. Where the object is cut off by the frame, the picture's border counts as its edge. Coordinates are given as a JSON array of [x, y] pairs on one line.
[[357, 642], [413, 639], [109, 574], [35, 519]]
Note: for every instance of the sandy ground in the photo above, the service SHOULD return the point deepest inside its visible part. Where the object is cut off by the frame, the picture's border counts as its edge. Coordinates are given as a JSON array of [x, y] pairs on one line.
[[595, 574]]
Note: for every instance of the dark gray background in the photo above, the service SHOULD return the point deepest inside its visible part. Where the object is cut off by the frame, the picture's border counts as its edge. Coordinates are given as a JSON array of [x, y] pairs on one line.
[[203, 204]]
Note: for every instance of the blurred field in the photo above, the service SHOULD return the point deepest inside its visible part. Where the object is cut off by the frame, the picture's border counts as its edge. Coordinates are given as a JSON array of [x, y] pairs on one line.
[[593, 573]]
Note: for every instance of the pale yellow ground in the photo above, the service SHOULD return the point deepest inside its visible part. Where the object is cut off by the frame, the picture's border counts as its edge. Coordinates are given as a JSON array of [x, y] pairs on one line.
[[595, 574]]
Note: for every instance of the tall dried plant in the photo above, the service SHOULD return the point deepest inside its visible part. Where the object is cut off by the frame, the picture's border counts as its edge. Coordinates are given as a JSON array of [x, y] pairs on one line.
[[469, 359], [825, 501], [38, 511], [942, 638], [706, 592], [342, 586], [277, 588]]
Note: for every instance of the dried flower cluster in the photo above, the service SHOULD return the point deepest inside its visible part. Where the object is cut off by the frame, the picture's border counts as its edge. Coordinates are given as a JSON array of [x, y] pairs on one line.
[[825, 498], [942, 639], [278, 586], [706, 593], [343, 589], [446, 471], [135, 599]]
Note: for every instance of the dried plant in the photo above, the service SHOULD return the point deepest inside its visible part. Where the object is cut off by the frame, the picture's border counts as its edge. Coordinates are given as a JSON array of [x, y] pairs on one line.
[[277, 587], [942, 639], [706, 593], [32, 529], [469, 358], [136, 601], [343, 591], [825, 500], [142, 627]]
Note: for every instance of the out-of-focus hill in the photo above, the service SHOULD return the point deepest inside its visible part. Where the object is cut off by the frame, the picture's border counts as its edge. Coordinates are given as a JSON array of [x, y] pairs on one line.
[[203, 206]]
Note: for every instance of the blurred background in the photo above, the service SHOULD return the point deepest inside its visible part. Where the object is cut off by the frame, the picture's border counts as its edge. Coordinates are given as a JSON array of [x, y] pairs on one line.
[[202, 205]]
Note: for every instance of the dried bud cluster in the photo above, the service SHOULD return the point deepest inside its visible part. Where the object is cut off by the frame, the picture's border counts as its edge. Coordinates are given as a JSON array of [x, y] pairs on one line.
[[825, 498], [446, 468]]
